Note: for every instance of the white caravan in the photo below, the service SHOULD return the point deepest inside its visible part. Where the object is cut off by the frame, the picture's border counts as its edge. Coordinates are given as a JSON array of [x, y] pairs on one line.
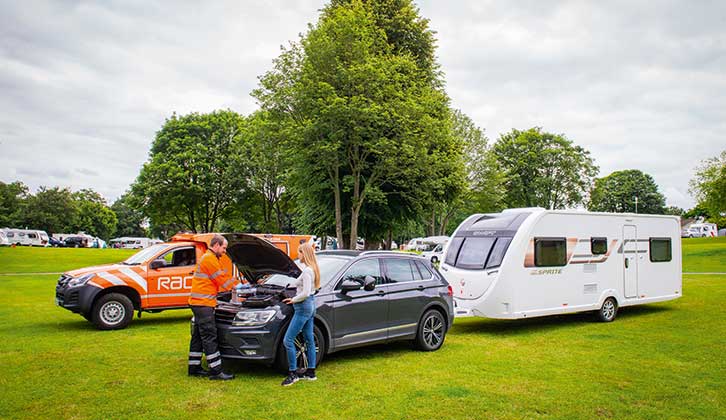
[[30, 237], [531, 262]]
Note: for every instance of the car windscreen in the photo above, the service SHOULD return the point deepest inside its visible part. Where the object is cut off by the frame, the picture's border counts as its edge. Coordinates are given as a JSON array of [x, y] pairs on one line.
[[145, 254], [329, 265]]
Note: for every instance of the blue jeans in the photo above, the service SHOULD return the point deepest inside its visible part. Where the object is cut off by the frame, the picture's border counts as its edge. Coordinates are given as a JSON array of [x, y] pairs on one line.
[[302, 320]]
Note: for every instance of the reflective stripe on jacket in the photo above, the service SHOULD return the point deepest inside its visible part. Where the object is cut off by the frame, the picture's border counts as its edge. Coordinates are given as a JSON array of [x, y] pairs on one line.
[[211, 277]]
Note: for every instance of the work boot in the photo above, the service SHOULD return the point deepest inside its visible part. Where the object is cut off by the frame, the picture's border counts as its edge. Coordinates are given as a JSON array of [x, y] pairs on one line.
[[290, 379], [198, 372], [307, 374], [221, 376]]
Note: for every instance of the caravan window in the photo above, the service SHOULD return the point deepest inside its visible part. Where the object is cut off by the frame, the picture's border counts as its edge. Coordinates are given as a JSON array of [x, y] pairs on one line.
[[598, 246], [550, 252], [497, 255], [660, 249], [32, 236], [474, 252], [453, 251]]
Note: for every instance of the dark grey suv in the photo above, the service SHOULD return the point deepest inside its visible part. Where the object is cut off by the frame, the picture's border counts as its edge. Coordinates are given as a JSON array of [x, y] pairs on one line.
[[365, 298]]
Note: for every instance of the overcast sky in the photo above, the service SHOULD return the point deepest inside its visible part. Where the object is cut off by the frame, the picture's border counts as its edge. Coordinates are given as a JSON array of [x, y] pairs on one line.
[[84, 86]]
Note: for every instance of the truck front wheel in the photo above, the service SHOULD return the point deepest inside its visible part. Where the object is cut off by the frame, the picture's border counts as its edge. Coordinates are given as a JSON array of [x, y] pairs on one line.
[[113, 311]]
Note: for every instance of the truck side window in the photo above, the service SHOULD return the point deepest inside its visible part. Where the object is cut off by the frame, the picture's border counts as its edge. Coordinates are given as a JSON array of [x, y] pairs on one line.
[[180, 257], [598, 246], [550, 252], [660, 249]]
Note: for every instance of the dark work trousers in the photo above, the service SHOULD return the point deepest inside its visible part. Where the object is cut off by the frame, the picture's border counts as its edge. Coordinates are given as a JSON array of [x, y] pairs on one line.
[[204, 338]]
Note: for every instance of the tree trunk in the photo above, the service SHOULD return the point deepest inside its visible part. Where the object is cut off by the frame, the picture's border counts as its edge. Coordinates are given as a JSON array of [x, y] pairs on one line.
[[338, 210]]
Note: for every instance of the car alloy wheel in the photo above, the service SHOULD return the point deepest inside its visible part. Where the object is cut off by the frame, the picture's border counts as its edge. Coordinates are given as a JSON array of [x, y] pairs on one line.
[[431, 331]]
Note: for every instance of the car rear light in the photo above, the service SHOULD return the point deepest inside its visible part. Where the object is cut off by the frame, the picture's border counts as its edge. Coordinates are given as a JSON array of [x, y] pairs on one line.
[[450, 290]]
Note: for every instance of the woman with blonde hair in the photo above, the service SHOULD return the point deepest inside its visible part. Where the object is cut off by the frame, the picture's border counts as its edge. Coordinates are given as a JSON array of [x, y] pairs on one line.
[[302, 320]]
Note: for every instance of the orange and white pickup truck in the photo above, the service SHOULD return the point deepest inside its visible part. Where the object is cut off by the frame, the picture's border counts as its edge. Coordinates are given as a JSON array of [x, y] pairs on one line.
[[155, 279]]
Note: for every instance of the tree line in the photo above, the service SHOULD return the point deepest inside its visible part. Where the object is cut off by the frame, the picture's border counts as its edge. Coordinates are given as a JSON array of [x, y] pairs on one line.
[[355, 136]]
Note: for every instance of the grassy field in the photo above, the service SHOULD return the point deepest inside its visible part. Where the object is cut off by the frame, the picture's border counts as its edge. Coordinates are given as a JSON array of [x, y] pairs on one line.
[[659, 361]]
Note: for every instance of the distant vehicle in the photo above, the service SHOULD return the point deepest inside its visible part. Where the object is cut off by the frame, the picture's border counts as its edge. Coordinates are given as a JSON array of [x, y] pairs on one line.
[[75, 242], [435, 255], [55, 242], [4, 238], [85, 240], [132, 242], [425, 244], [29, 237], [700, 230], [524, 263]]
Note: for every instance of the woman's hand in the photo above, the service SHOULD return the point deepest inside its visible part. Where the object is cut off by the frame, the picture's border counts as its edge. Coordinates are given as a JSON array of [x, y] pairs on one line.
[[288, 301]]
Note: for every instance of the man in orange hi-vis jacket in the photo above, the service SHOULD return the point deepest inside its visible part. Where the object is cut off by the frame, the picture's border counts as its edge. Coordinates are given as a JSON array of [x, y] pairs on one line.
[[214, 274]]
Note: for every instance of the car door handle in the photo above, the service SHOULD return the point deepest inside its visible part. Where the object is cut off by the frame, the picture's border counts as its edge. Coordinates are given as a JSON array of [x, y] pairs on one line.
[[381, 293], [420, 287]]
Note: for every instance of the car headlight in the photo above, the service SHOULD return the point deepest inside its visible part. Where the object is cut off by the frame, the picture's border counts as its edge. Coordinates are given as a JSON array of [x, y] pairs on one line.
[[252, 318], [79, 281]]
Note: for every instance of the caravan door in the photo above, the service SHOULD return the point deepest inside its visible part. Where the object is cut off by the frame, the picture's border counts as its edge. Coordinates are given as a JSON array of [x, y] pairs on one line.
[[630, 261]]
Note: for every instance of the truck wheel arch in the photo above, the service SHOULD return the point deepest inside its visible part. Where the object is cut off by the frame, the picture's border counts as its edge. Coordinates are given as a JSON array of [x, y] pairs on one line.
[[129, 292]]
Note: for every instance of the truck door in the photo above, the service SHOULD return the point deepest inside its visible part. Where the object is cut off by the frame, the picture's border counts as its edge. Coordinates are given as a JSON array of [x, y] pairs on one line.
[[630, 261], [170, 284]]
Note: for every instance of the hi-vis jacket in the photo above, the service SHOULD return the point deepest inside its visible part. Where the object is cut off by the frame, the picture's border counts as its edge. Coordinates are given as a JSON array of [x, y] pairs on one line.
[[213, 275]]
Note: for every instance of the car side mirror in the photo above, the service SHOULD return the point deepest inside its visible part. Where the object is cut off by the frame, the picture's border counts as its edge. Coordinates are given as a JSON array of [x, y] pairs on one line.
[[369, 283], [157, 264], [350, 285]]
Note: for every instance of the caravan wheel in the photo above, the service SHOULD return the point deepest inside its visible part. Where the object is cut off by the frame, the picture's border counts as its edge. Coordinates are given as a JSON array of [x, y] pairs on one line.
[[608, 310]]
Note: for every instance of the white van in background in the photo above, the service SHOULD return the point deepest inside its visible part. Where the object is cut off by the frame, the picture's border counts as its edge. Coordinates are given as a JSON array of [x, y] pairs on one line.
[[531, 262], [3, 238], [701, 230]]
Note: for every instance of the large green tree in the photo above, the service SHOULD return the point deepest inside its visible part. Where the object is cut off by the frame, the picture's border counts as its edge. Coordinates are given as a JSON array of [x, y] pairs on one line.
[[373, 122], [267, 167], [53, 210], [617, 193], [93, 214], [484, 189], [194, 172], [543, 169], [709, 187], [12, 196], [130, 219]]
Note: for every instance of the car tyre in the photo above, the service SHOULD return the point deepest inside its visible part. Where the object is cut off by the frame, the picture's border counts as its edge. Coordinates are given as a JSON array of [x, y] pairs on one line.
[[431, 331], [302, 360], [608, 310], [113, 311]]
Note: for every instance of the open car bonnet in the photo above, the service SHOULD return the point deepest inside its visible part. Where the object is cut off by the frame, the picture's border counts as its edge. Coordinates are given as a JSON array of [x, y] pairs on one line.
[[256, 257]]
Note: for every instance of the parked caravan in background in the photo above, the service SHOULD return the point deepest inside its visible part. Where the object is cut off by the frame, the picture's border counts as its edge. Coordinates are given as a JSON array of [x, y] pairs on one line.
[[3, 238], [29, 237], [133, 242], [531, 262], [700, 230]]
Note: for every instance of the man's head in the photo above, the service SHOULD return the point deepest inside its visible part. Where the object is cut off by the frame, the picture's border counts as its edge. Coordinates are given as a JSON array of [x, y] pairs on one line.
[[218, 245]]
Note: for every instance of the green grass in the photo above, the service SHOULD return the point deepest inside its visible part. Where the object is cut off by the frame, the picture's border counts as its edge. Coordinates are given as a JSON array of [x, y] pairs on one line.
[[704, 255], [659, 361], [55, 260]]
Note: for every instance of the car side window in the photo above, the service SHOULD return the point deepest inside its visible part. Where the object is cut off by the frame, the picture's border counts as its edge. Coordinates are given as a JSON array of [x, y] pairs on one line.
[[360, 269], [398, 270], [180, 257], [425, 272]]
